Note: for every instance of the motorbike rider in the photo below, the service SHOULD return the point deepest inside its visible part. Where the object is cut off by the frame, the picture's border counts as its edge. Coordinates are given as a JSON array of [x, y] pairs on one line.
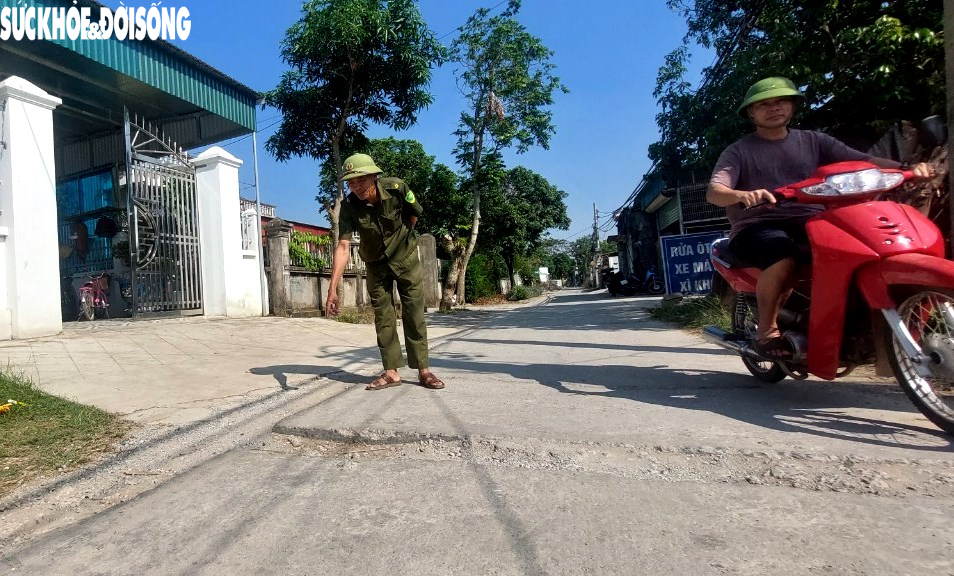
[[765, 235]]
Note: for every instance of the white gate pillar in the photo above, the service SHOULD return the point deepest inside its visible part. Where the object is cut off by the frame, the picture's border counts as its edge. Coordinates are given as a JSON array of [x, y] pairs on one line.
[[29, 248], [231, 282]]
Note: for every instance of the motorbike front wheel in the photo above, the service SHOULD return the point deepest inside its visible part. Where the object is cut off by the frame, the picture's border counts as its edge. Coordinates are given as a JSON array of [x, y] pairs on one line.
[[87, 310], [655, 286], [929, 317], [743, 323]]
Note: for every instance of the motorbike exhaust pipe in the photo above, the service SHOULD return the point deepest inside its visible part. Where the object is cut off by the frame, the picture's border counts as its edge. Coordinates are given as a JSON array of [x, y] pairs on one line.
[[720, 337], [727, 340]]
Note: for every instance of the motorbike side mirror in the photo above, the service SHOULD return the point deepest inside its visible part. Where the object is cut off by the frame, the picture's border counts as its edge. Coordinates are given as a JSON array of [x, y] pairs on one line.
[[932, 132]]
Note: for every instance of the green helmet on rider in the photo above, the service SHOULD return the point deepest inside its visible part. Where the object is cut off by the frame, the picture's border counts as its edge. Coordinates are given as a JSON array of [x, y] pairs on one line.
[[768, 88]]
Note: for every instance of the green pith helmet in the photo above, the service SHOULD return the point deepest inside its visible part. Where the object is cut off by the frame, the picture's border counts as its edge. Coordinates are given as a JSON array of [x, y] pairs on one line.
[[358, 165], [766, 88]]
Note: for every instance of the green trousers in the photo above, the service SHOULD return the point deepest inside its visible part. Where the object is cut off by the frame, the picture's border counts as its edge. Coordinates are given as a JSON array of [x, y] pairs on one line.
[[410, 286]]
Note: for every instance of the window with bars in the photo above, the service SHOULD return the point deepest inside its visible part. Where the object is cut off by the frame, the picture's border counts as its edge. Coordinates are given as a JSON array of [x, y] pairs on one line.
[[695, 208], [89, 214]]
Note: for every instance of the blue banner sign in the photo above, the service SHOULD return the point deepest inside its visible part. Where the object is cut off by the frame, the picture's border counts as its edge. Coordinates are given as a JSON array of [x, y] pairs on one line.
[[686, 262]]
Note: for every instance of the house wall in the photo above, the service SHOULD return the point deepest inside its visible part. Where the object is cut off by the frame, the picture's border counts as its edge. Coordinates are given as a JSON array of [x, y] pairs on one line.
[[29, 251]]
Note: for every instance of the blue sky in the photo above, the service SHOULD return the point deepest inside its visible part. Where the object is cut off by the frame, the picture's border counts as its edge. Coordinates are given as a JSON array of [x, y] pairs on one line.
[[607, 52]]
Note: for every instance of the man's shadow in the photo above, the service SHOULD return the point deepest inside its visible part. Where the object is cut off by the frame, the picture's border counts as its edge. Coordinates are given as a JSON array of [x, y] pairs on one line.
[[281, 373]]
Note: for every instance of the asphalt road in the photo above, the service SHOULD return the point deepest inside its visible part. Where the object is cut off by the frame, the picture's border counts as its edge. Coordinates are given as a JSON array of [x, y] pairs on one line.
[[574, 437]]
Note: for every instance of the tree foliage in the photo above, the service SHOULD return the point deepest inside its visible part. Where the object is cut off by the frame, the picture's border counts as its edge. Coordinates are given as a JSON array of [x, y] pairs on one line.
[[520, 213], [555, 255], [507, 81], [582, 250], [862, 65], [351, 63]]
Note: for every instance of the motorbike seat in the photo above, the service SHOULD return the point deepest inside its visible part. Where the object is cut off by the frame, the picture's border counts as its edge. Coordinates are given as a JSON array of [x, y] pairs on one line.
[[723, 255]]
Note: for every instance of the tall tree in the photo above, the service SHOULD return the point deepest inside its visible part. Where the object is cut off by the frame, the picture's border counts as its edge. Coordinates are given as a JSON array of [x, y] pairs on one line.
[[582, 250], [508, 83], [527, 206], [862, 64], [554, 254], [352, 63]]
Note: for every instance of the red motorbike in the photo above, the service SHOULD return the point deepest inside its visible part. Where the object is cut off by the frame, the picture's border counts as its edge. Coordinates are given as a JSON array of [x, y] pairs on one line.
[[880, 292]]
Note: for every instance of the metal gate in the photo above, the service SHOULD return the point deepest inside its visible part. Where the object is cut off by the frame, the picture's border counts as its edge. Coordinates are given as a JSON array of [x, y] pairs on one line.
[[163, 225]]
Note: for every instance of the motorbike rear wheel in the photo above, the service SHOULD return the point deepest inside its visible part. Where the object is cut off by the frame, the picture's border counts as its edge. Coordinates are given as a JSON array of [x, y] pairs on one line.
[[87, 309], [743, 323], [929, 317]]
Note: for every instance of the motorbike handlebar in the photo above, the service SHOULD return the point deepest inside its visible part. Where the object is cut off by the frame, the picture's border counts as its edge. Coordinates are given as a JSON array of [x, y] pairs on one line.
[[778, 199]]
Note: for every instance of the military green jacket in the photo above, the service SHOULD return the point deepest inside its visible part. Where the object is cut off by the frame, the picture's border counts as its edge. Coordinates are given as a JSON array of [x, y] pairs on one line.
[[385, 229]]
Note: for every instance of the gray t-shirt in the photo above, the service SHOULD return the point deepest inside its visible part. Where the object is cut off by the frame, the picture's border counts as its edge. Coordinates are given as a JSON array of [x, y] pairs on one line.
[[752, 162]]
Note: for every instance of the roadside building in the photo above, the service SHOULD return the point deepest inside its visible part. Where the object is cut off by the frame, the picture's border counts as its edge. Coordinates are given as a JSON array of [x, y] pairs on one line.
[[657, 211], [95, 176]]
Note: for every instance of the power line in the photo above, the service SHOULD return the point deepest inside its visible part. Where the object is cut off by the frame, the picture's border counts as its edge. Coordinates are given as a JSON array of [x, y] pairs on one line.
[[240, 138], [497, 5], [575, 234]]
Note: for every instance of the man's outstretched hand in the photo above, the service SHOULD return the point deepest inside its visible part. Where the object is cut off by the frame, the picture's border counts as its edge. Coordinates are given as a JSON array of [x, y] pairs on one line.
[[331, 305]]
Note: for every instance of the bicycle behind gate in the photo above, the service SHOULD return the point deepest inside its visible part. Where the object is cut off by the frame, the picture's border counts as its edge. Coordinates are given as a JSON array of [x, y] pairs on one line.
[[94, 296]]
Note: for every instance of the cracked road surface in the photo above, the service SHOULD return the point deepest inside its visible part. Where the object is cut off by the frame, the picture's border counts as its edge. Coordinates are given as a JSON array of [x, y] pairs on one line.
[[574, 437]]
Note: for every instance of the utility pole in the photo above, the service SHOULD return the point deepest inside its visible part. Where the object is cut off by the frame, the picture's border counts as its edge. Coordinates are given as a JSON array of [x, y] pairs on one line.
[[596, 245]]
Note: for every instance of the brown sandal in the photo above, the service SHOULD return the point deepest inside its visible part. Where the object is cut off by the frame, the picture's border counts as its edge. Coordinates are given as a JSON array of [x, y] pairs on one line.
[[383, 381], [431, 381], [777, 348]]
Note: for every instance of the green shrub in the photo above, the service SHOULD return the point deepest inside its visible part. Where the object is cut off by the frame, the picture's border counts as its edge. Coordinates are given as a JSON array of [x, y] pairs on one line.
[[303, 250], [524, 292], [481, 278]]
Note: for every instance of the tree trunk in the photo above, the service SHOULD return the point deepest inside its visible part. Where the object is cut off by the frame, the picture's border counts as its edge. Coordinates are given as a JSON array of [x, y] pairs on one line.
[[335, 211], [449, 295], [475, 227], [333, 218], [511, 270], [471, 244]]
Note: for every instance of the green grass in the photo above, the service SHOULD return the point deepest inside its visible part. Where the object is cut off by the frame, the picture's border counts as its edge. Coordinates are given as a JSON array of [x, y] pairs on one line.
[[694, 313], [360, 315], [49, 434]]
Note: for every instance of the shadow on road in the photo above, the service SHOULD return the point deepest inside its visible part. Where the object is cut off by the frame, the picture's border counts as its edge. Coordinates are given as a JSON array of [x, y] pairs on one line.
[[810, 406], [281, 372]]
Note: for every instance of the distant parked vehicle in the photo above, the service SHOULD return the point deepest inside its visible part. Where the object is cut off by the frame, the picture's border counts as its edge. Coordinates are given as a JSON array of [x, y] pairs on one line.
[[629, 285]]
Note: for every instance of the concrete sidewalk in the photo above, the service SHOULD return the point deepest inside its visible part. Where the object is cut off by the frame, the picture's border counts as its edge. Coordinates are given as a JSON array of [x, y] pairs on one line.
[[183, 370]]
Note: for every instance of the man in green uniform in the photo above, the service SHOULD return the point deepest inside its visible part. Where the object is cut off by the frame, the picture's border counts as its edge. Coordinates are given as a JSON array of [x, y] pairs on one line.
[[383, 211]]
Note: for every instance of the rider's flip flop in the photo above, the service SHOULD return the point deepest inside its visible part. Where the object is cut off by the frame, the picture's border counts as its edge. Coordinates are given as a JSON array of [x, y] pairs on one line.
[[777, 348]]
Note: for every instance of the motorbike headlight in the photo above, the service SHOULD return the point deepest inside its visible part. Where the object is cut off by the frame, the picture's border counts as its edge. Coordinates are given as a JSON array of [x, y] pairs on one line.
[[861, 182]]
